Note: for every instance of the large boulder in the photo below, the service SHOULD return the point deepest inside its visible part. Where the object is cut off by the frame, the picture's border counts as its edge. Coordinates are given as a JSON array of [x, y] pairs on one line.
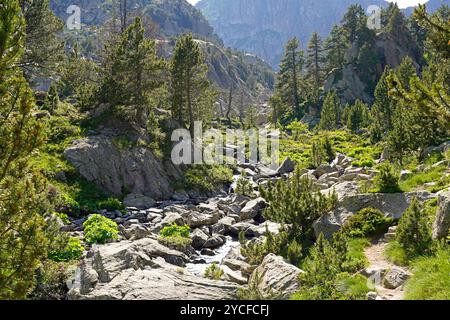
[[253, 208], [138, 201], [276, 277], [287, 166], [141, 270], [391, 204], [195, 219], [441, 225], [395, 278], [98, 159]]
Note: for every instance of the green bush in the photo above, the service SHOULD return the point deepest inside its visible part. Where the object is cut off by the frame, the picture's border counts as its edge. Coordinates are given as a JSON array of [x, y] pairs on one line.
[[99, 229], [72, 250], [414, 231], [431, 277], [366, 223], [51, 280], [176, 242], [244, 186], [175, 230], [111, 204], [208, 178], [214, 272], [387, 180]]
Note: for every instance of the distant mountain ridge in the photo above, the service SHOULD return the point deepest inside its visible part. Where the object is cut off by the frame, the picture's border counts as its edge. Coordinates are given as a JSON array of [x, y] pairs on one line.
[[263, 26]]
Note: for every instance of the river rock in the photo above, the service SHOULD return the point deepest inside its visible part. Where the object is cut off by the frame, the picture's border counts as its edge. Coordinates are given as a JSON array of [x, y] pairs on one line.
[[214, 242], [287, 166], [395, 277], [198, 238], [140, 271], [139, 201], [253, 208], [276, 276]]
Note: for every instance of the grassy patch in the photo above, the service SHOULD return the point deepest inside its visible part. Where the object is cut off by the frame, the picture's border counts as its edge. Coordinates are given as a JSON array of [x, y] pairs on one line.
[[431, 277], [419, 179], [356, 254], [395, 253]]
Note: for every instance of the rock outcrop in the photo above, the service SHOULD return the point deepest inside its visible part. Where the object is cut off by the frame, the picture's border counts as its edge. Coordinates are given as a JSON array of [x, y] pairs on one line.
[[120, 171], [441, 225], [391, 204], [142, 270], [276, 277]]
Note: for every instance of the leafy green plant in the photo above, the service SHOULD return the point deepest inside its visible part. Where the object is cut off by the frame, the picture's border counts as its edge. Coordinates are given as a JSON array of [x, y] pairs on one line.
[[175, 230], [214, 272], [176, 237], [72, 250], [64, 217], [99, 229], [367, 222]]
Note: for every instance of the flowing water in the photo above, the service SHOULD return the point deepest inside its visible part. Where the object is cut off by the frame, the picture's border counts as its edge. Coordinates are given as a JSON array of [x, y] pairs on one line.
[[199, 269]]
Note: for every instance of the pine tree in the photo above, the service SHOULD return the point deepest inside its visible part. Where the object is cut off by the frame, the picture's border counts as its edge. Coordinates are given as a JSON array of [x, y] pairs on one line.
[[382, 109], [134, 81], [294, 202], [314, 65], [331, 112], [52, 99], [335, 47], [354, 22], [414, 232], [288, 79], [44, 47], [192, 95], [357, 116], [23, 241]]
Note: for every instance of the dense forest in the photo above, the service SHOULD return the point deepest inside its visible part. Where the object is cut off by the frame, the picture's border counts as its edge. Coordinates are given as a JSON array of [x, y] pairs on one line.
[[92, 207]]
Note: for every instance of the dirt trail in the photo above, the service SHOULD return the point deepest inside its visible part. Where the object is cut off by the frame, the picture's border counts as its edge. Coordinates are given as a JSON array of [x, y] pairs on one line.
[[377, 261]]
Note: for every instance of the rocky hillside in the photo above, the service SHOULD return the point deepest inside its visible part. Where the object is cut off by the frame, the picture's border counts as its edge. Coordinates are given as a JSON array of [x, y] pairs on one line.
[[172, 17], [264, 26], [245, 73]]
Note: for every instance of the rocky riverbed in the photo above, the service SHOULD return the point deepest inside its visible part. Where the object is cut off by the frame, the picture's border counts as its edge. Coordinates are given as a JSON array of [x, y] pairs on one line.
[[138, 266]]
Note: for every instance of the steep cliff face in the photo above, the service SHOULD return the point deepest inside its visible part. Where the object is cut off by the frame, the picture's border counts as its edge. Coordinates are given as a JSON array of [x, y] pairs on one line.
[[263, 26], [354, 81]]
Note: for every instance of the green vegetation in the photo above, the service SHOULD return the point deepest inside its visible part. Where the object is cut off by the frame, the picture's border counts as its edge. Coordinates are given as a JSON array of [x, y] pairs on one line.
[[175, 236], [24, 241], [244, 186], [328, 271], [414, 230], [99, 229], [430, 280], [175, 230], [387, 181], [366, 223], [72, 250], [213, 272], [208, 178]]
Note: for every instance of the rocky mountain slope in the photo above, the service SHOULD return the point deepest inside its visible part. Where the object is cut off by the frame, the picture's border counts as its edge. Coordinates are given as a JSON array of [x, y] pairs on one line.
[[263, 26], [245, 73], [172, 17]]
